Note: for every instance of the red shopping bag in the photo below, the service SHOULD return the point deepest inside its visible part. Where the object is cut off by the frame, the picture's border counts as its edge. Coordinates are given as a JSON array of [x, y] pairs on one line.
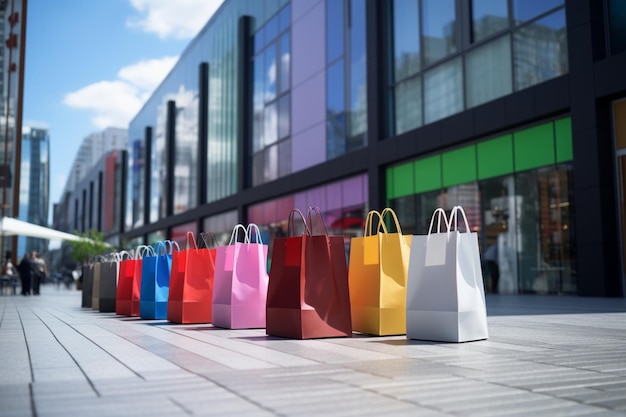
[[191, 281], [124, 292], [308, 293]]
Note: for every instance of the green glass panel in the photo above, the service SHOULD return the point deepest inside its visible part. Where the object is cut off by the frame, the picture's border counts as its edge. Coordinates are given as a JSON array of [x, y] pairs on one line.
[[401, 181], [427, 173], [389, 183], [459, 166], [563, 132], [495, 157], [534, 147]]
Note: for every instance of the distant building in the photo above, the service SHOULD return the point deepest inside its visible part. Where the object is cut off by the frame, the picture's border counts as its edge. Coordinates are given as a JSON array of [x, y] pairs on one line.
[[12, 36], [34, 185]]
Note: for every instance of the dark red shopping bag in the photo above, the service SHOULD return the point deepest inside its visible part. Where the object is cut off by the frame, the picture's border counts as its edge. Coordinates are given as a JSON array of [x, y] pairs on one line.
[[191, 281], [308, 283]]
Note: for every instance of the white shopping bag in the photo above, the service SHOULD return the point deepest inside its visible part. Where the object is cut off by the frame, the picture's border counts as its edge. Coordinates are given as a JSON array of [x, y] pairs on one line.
[[445, 293]]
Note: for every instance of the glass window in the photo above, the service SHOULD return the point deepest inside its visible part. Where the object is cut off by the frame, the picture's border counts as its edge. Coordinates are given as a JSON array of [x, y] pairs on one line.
[[540, 50], [488, 17], [259, 40], [270, 163], [617, 22], [443, 91], [408, 105], [283, 117], [488, 72], [335, 136], [270, 73], [439, 29], [406, 38], [271, 29], [284, 18], [334, 29], [358, 64], [335, 100], [524, 10], [270, 125], [285, 62], [284, 158]]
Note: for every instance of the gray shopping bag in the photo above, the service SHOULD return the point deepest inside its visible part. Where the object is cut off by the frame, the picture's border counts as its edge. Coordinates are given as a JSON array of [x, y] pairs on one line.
[[445, 293]]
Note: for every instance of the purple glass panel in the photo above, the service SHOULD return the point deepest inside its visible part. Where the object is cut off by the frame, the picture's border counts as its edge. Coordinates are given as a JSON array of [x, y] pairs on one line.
[[308, 148], [300, 202], [283, 207], [300, 7], [333, 196], [308, 104], [317, 198], [352, 191], [308, 44]]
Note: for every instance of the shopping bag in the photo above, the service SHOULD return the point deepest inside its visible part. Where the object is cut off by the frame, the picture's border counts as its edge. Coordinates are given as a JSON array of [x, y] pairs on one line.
[[377, 276], [308, 294], [445, 293], [107, 285], [95, 292], [128, 294], [155, 280], [241, 279], [87, 290], [191, 281]]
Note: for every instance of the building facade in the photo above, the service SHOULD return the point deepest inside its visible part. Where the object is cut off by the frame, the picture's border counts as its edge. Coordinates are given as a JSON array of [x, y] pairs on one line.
[[12, 33], [34, 185], [515, 110]]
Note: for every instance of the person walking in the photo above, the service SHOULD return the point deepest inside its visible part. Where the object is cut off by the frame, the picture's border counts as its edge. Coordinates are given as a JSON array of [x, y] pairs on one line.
[[25, 269], [39, 272]]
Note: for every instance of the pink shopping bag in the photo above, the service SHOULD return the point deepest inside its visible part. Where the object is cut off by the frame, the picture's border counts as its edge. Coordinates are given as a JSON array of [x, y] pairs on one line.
[[241, 279]]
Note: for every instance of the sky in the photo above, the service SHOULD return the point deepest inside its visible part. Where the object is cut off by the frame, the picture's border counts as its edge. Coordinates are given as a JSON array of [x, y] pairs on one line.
[[91, 64]]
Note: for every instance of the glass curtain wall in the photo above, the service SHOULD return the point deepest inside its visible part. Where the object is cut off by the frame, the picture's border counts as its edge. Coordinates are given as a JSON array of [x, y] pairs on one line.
[[346, 83], [271, 136], [439, 70]]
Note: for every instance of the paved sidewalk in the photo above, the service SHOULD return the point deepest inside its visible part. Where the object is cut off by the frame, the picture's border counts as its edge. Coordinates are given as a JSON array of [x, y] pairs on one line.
[[546, 356]]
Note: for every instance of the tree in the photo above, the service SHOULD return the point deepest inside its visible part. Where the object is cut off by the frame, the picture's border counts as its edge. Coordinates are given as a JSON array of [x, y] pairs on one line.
[[92, 244]]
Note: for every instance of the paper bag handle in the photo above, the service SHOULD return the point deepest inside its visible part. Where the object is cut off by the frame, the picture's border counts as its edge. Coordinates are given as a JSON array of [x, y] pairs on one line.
[[202, 242], [143, 250], [454, 216], [122, 253], [190, 241], [439, 213], [315, 212], [392, 213], [369, 222], [235, 234], [291, 223], [252, 227]]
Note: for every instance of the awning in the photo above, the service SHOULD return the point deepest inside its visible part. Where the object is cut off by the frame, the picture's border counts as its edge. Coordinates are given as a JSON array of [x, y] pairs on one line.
[[10, 226]]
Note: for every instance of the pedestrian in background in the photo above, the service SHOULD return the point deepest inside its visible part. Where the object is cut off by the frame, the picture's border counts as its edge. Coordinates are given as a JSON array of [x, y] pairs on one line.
[[40, 272], [25, 269]]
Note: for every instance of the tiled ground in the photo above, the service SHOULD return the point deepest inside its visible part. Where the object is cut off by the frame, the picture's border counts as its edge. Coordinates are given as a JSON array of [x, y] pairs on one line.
[[546, 356]]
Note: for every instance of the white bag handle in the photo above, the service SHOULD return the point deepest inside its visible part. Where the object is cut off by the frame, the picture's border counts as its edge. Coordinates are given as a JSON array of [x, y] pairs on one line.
[[454, 216], [257, 233], [439, 213], [233, 236], [144, 250]]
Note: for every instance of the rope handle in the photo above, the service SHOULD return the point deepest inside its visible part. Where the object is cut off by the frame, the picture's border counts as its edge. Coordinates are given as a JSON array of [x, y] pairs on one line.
[[235, 234], [252, 227], [291, 223], [439, 213], [454, 216], [315, 212]]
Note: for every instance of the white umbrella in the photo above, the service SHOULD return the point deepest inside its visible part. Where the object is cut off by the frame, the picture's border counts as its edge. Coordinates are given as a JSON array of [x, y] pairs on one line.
[[10, 226]]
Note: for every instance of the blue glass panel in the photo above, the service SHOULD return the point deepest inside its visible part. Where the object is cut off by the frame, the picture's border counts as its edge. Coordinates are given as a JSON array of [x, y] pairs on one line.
[[440, 29], [271, 29], [270, 73], [489, 17], [285, 62], [334, 29], [358, 65], [524, 10], [617, 21], [406, 39], [259, 40], [335, 99], [336, 136], [284, 18]]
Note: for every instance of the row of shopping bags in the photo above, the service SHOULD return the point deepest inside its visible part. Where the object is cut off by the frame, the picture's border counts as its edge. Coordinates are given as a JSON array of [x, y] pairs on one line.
[[425, 286]]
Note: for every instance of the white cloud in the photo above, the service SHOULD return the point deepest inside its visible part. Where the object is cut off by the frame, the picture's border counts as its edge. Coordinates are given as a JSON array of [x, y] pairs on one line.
[[115, 103], [181, 19]]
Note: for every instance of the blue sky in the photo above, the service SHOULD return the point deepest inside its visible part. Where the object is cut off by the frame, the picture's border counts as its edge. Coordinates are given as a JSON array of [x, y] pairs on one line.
[[91, 64]]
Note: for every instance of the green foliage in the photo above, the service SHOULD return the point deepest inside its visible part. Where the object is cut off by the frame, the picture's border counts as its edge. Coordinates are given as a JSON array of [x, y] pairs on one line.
[[92, 244]]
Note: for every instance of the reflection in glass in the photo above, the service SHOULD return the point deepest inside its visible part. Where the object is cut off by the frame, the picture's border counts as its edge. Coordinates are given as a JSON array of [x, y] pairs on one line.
[[443, 91], [284, 158], [540, 50], [358, 82], [488, 17], [488, 72], [270, 171], [406, 39], [285, 62], [271, 29], [408, 105], [335, 136], [270, 73], [335, 101], [270, 125], [439, 27], [284, 18], [283, 117], [334, 29], [524, 10]]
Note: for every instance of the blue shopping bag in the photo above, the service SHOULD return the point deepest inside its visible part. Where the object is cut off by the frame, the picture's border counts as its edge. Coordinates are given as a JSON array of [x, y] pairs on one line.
[[155, 281]]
